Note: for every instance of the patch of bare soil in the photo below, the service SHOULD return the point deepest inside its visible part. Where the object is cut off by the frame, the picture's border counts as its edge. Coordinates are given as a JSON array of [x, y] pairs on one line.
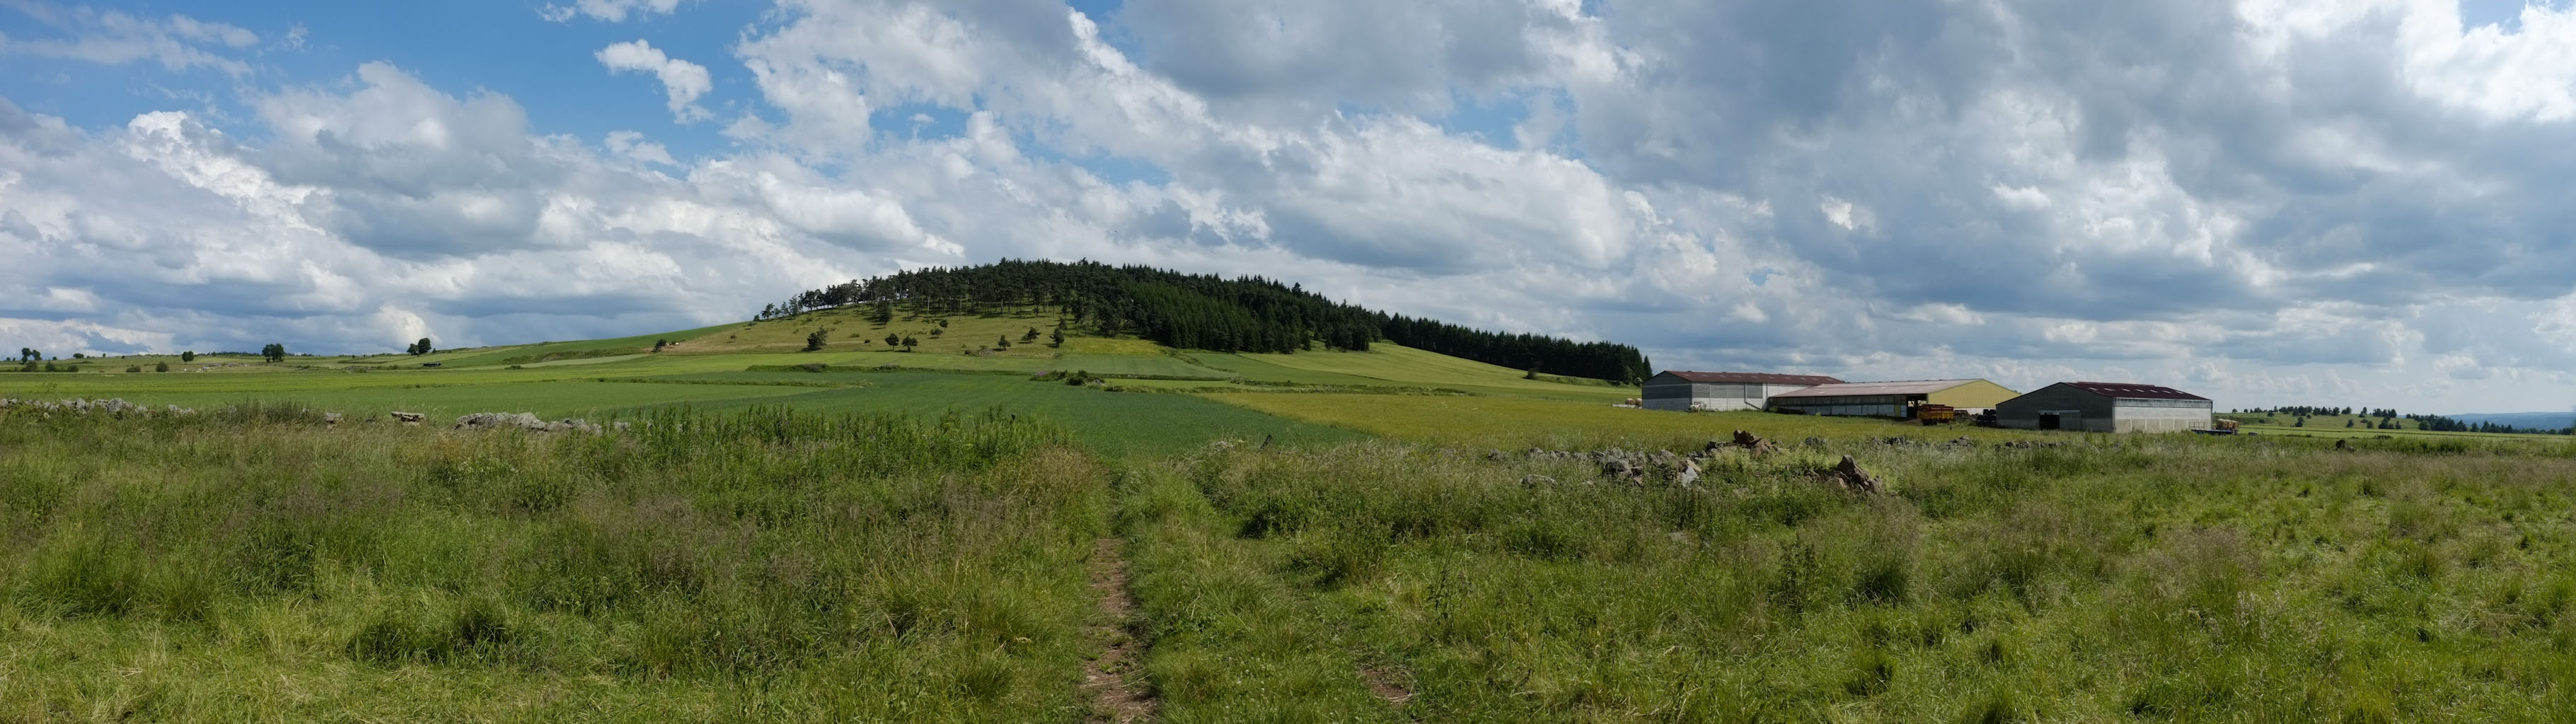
[[1384, 686], [1114, 680]]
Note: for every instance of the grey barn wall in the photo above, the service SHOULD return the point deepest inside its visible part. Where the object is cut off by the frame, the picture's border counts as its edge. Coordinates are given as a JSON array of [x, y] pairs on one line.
[[1848, 405], [2103, 414], [1663, 392], [2023, 412], [2160, 416]]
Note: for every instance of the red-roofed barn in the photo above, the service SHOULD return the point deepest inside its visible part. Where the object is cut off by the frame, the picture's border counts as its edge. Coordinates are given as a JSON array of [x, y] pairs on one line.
[[2105, 407]]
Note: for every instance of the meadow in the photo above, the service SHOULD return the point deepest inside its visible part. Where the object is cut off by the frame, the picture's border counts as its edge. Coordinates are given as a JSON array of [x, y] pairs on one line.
[[2163, 579], [259, 565], [813, 536]]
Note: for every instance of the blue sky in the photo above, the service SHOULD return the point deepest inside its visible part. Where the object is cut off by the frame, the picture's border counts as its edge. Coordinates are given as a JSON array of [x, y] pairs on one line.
[[2268, 201]]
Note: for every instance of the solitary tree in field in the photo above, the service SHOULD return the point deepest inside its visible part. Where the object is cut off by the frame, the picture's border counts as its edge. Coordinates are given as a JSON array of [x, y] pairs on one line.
[[274, 352], [893, 339], [1032, 336], [909, 343], [188, 356], [160, 366], [660, 343], [418, 348], [815, 341], [1003, 342], [1057, 337]]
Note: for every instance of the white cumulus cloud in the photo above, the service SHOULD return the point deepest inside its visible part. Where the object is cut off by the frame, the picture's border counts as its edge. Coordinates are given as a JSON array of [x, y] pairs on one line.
[[682, 81]]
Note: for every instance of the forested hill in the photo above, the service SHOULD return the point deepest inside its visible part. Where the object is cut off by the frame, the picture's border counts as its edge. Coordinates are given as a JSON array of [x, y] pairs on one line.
[[1204, 311]]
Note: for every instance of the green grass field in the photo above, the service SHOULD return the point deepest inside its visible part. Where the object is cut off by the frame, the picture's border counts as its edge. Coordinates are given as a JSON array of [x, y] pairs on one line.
[[945, 539], [1115, 424], [259, 566]]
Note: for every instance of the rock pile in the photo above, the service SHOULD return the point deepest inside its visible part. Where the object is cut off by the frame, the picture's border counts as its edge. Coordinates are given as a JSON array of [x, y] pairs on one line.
[[112, 406], [1749, 441], [524, 421], [1648, 467], [1848, 476]]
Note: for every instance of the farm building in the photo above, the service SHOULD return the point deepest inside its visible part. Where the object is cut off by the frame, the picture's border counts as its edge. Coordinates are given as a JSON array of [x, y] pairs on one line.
[[1893, 399], [1680, 390], [2105, 407]]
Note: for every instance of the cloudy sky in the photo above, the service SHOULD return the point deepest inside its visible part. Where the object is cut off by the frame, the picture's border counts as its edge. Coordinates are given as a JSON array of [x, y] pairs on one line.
[[2354, 202]]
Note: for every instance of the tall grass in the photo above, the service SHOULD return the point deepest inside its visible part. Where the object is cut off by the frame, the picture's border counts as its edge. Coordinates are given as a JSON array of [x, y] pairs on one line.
[[2158, 579], [257, 564]]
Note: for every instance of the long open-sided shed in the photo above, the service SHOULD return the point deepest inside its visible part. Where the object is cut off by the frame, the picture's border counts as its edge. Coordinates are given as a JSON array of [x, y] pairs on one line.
[[1892, 399], [2106, 407], [1682, 390]]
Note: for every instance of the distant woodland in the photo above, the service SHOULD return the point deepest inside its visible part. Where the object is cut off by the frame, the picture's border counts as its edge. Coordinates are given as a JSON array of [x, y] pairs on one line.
[[1205, 311]]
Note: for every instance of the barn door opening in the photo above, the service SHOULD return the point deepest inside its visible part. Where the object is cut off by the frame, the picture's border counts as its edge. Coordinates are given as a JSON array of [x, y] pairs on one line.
[[2048, 421]]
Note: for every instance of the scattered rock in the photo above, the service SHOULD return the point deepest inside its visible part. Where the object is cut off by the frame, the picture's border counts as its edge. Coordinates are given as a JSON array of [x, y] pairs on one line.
[[1815, 442], [410, 418], [2343, 444], [111, 406], [331, 418], [1619, 468], [1959, 442], [1848, 476], [500, 419], [1689, 475], [1753, 443]]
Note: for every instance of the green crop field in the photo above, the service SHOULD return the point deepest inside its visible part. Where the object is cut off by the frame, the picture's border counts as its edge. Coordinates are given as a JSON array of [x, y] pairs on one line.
[[857, 534], [1116, 424]]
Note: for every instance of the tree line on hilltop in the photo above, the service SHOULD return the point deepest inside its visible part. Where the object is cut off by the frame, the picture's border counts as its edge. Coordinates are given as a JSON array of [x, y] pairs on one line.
[[1205, 311], [2387, 420]]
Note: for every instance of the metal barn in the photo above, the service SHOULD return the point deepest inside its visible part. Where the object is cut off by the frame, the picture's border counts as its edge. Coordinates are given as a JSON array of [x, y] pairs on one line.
[[2106, 407], [1893, 399], [1680, 390]]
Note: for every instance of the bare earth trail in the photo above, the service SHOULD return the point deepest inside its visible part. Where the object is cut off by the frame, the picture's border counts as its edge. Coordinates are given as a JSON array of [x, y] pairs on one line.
[[1113, 679]]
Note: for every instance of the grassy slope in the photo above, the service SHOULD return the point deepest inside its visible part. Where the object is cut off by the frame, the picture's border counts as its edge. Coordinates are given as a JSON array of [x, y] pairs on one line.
[[1392, 364]]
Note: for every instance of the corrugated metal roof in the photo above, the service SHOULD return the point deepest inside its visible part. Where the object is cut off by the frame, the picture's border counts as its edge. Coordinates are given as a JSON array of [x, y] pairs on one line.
[[2134, 390], [1849, 389], [1765, 378]]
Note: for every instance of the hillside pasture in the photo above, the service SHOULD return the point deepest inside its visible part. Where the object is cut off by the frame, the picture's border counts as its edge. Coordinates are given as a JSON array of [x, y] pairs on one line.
[[1401, 365]]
